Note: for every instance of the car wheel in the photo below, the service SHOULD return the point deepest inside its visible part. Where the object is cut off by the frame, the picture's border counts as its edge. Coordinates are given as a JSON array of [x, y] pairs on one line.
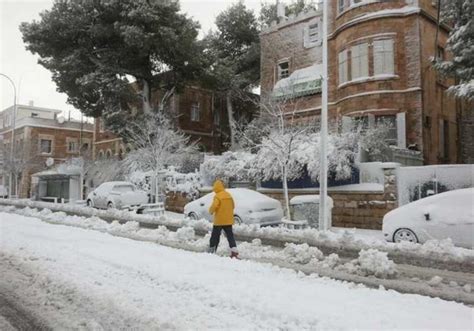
[[193, 216], [237, 220], [89, 203], [405, 235], [110, 205]]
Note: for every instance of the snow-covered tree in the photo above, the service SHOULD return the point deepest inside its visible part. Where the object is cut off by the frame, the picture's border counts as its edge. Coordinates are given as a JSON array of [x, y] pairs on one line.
[[276, 156], [156, 144], [460, 14]]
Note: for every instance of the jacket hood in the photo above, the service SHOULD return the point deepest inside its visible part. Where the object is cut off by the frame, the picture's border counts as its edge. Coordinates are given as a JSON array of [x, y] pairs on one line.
[[218, 186]]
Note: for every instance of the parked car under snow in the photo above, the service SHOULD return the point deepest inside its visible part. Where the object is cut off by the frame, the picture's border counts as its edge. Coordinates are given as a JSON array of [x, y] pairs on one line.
[[251, 207], [120, 195], [445, 215]]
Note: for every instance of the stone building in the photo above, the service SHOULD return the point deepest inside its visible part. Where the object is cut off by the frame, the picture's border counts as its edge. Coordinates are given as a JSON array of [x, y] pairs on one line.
[[380, 69], [42, 138]]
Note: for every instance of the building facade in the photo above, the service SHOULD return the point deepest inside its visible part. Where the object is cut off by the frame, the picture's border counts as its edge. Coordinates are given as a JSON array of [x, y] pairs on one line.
[[380, 65], [199, 113], [42, 139]]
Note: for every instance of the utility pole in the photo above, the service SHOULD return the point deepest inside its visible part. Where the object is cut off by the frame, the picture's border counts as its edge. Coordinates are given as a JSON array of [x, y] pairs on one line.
[[323, 174], [12, 146]]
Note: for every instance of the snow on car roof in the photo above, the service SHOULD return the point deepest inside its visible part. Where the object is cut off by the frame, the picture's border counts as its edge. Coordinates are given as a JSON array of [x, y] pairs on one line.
[[244, 193]]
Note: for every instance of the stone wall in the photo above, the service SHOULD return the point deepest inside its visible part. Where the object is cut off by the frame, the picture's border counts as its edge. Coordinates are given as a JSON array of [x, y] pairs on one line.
[[176, 201], [357, 208]]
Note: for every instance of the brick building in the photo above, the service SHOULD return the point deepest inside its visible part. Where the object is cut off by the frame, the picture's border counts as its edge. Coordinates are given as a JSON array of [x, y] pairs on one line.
[[40, 134], [200, 113], [380, 69]]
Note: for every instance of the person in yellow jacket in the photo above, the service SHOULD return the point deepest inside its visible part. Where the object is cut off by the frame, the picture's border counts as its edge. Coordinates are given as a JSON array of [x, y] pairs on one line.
[[223, 210]]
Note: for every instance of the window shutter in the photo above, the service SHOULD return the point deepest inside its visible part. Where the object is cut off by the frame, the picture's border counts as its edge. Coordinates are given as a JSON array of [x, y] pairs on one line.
[[343, 66], [364, 60], [389, 61], [355, 57], [378, 57], [346, 124], [401, 130]]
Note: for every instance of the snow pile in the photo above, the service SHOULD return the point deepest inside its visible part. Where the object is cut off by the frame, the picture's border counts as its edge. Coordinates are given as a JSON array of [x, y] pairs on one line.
[[302, 253], [344, 240], [185, 234], [374, 262]]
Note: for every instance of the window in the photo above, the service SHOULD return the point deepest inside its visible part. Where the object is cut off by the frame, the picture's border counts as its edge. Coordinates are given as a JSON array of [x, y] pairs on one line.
[[360, 61], [34, 114], [383, 57], [343, 72], [389, 122], [100, 155], [108, 154], [341, 5], [46, 146], [440, 54], [72, 145], [394, 125], [195, 112], [283, 70], [217, 118]]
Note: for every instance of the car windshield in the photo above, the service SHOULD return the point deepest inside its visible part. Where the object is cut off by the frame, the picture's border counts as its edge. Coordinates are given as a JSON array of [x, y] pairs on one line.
[[123, 188]]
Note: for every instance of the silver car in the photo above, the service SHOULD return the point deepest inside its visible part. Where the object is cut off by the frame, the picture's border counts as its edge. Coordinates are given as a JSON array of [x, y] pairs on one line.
[[120, 195], [251, 207]]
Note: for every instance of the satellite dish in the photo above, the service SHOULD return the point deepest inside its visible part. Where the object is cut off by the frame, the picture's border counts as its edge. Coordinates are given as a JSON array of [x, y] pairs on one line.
[[61, 120], [49, 161]]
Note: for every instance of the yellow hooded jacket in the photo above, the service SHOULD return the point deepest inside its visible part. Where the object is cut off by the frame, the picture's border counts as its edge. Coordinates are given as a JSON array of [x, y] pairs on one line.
[[223, 205]]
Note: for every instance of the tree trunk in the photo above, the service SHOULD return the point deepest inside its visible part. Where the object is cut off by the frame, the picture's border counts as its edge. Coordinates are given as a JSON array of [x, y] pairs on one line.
[[146, 94], [230, 115], [285, 192]]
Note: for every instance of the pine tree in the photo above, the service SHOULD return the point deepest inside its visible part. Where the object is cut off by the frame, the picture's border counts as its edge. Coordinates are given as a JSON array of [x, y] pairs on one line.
[[94, 49], [461, 43]]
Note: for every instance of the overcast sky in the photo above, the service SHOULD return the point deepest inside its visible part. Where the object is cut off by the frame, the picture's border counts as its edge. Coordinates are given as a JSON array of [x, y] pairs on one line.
[[33, 82]]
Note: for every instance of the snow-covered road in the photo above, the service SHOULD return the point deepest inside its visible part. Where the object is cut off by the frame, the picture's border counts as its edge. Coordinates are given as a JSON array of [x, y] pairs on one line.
[[75, 278]]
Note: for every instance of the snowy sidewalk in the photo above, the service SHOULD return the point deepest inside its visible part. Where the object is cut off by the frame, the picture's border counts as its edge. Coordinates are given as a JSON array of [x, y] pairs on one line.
[[76, 278]]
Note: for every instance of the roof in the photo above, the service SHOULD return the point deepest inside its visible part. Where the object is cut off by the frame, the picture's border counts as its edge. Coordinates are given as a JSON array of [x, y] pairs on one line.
[[42, 109], [301, 82]]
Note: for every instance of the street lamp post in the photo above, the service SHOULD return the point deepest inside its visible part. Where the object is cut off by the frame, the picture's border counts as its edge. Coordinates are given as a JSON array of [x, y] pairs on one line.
[[12, 146], [323, 175]]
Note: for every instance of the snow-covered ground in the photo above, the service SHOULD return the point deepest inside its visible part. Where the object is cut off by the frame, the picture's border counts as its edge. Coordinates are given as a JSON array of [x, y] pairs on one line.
[[77, 278]]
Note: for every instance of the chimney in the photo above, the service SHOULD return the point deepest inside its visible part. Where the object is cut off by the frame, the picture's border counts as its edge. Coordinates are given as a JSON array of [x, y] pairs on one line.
[[31, 103], [280, 10]]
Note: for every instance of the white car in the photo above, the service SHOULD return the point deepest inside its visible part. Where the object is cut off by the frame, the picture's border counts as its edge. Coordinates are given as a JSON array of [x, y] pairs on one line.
[[3, 192], [445, 215], [120, 195], [251, 207]]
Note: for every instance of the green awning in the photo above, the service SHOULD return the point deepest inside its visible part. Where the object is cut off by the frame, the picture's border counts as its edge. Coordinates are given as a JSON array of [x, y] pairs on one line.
[[301, 82]]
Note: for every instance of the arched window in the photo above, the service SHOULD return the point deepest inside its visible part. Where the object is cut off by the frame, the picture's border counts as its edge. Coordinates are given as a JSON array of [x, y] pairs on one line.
[[108, 154]]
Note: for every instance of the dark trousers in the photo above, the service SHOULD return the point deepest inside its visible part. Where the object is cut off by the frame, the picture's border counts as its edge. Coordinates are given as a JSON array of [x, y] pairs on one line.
[[216, 234]]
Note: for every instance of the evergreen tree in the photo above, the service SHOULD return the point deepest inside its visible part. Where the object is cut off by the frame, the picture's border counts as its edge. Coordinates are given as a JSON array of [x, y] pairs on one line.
[[460, 13], [94, 49], [233, 55]]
